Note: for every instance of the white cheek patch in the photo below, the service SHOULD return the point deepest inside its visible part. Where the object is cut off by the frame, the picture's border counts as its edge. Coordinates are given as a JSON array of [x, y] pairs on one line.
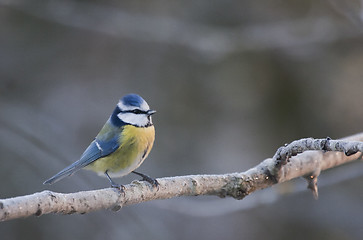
[[144, 106], [134, 119]]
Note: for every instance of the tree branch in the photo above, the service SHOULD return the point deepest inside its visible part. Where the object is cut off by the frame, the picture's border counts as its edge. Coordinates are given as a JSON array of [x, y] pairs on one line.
[[282, 167]]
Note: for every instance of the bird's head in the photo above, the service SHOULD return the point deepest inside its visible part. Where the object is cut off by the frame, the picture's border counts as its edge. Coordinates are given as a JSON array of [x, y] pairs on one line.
[[134, 110]]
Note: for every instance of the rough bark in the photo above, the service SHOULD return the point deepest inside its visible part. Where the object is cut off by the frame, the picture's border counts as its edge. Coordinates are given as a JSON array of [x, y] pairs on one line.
[[291, 161]]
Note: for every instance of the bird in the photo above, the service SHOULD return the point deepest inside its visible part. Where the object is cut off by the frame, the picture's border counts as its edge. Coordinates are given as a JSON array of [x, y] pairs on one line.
[[121, 146]]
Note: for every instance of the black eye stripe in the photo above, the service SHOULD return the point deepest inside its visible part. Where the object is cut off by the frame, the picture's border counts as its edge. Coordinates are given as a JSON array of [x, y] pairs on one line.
[[135, 111]]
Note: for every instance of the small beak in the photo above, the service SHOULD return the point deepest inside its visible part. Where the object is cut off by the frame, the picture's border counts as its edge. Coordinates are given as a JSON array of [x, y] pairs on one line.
[[151, 112]]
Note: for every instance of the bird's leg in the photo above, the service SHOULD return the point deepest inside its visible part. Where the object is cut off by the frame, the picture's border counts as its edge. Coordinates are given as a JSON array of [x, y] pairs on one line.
[[150, 180], [121, 188]]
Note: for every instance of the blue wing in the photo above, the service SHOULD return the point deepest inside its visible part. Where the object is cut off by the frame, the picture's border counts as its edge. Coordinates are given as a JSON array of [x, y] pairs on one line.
[[97, 149]]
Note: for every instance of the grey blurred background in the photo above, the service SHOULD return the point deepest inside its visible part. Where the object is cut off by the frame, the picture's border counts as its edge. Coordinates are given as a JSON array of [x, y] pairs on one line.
[[231, 81]]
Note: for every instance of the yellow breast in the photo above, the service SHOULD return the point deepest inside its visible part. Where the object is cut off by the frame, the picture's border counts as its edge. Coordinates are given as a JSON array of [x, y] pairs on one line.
[[135, 146]]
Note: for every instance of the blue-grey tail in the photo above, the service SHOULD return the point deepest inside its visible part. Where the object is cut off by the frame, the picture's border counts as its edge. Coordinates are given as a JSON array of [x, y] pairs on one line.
[[57, 177], [65, 173], [91, 154]]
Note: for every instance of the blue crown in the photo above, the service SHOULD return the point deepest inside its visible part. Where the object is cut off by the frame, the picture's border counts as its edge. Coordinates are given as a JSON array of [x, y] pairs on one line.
[[132, 100], [128, 100]]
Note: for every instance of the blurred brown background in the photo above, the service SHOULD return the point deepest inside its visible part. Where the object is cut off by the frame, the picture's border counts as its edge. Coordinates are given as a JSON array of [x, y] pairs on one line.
[[231, 81]]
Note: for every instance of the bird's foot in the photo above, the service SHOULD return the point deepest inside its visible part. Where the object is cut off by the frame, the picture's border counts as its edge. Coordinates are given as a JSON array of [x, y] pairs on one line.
[[119, 187], [148, 179]]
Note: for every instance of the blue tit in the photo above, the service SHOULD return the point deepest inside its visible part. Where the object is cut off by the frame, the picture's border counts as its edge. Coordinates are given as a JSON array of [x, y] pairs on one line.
[[121, 146]]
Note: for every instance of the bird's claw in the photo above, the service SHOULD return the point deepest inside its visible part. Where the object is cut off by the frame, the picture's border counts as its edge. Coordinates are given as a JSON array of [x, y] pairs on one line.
[[120, 188], [152, 181], [148, 179]]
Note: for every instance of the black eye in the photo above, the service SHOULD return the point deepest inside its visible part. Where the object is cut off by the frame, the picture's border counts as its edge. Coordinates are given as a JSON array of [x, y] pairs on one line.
[[137, 111]]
